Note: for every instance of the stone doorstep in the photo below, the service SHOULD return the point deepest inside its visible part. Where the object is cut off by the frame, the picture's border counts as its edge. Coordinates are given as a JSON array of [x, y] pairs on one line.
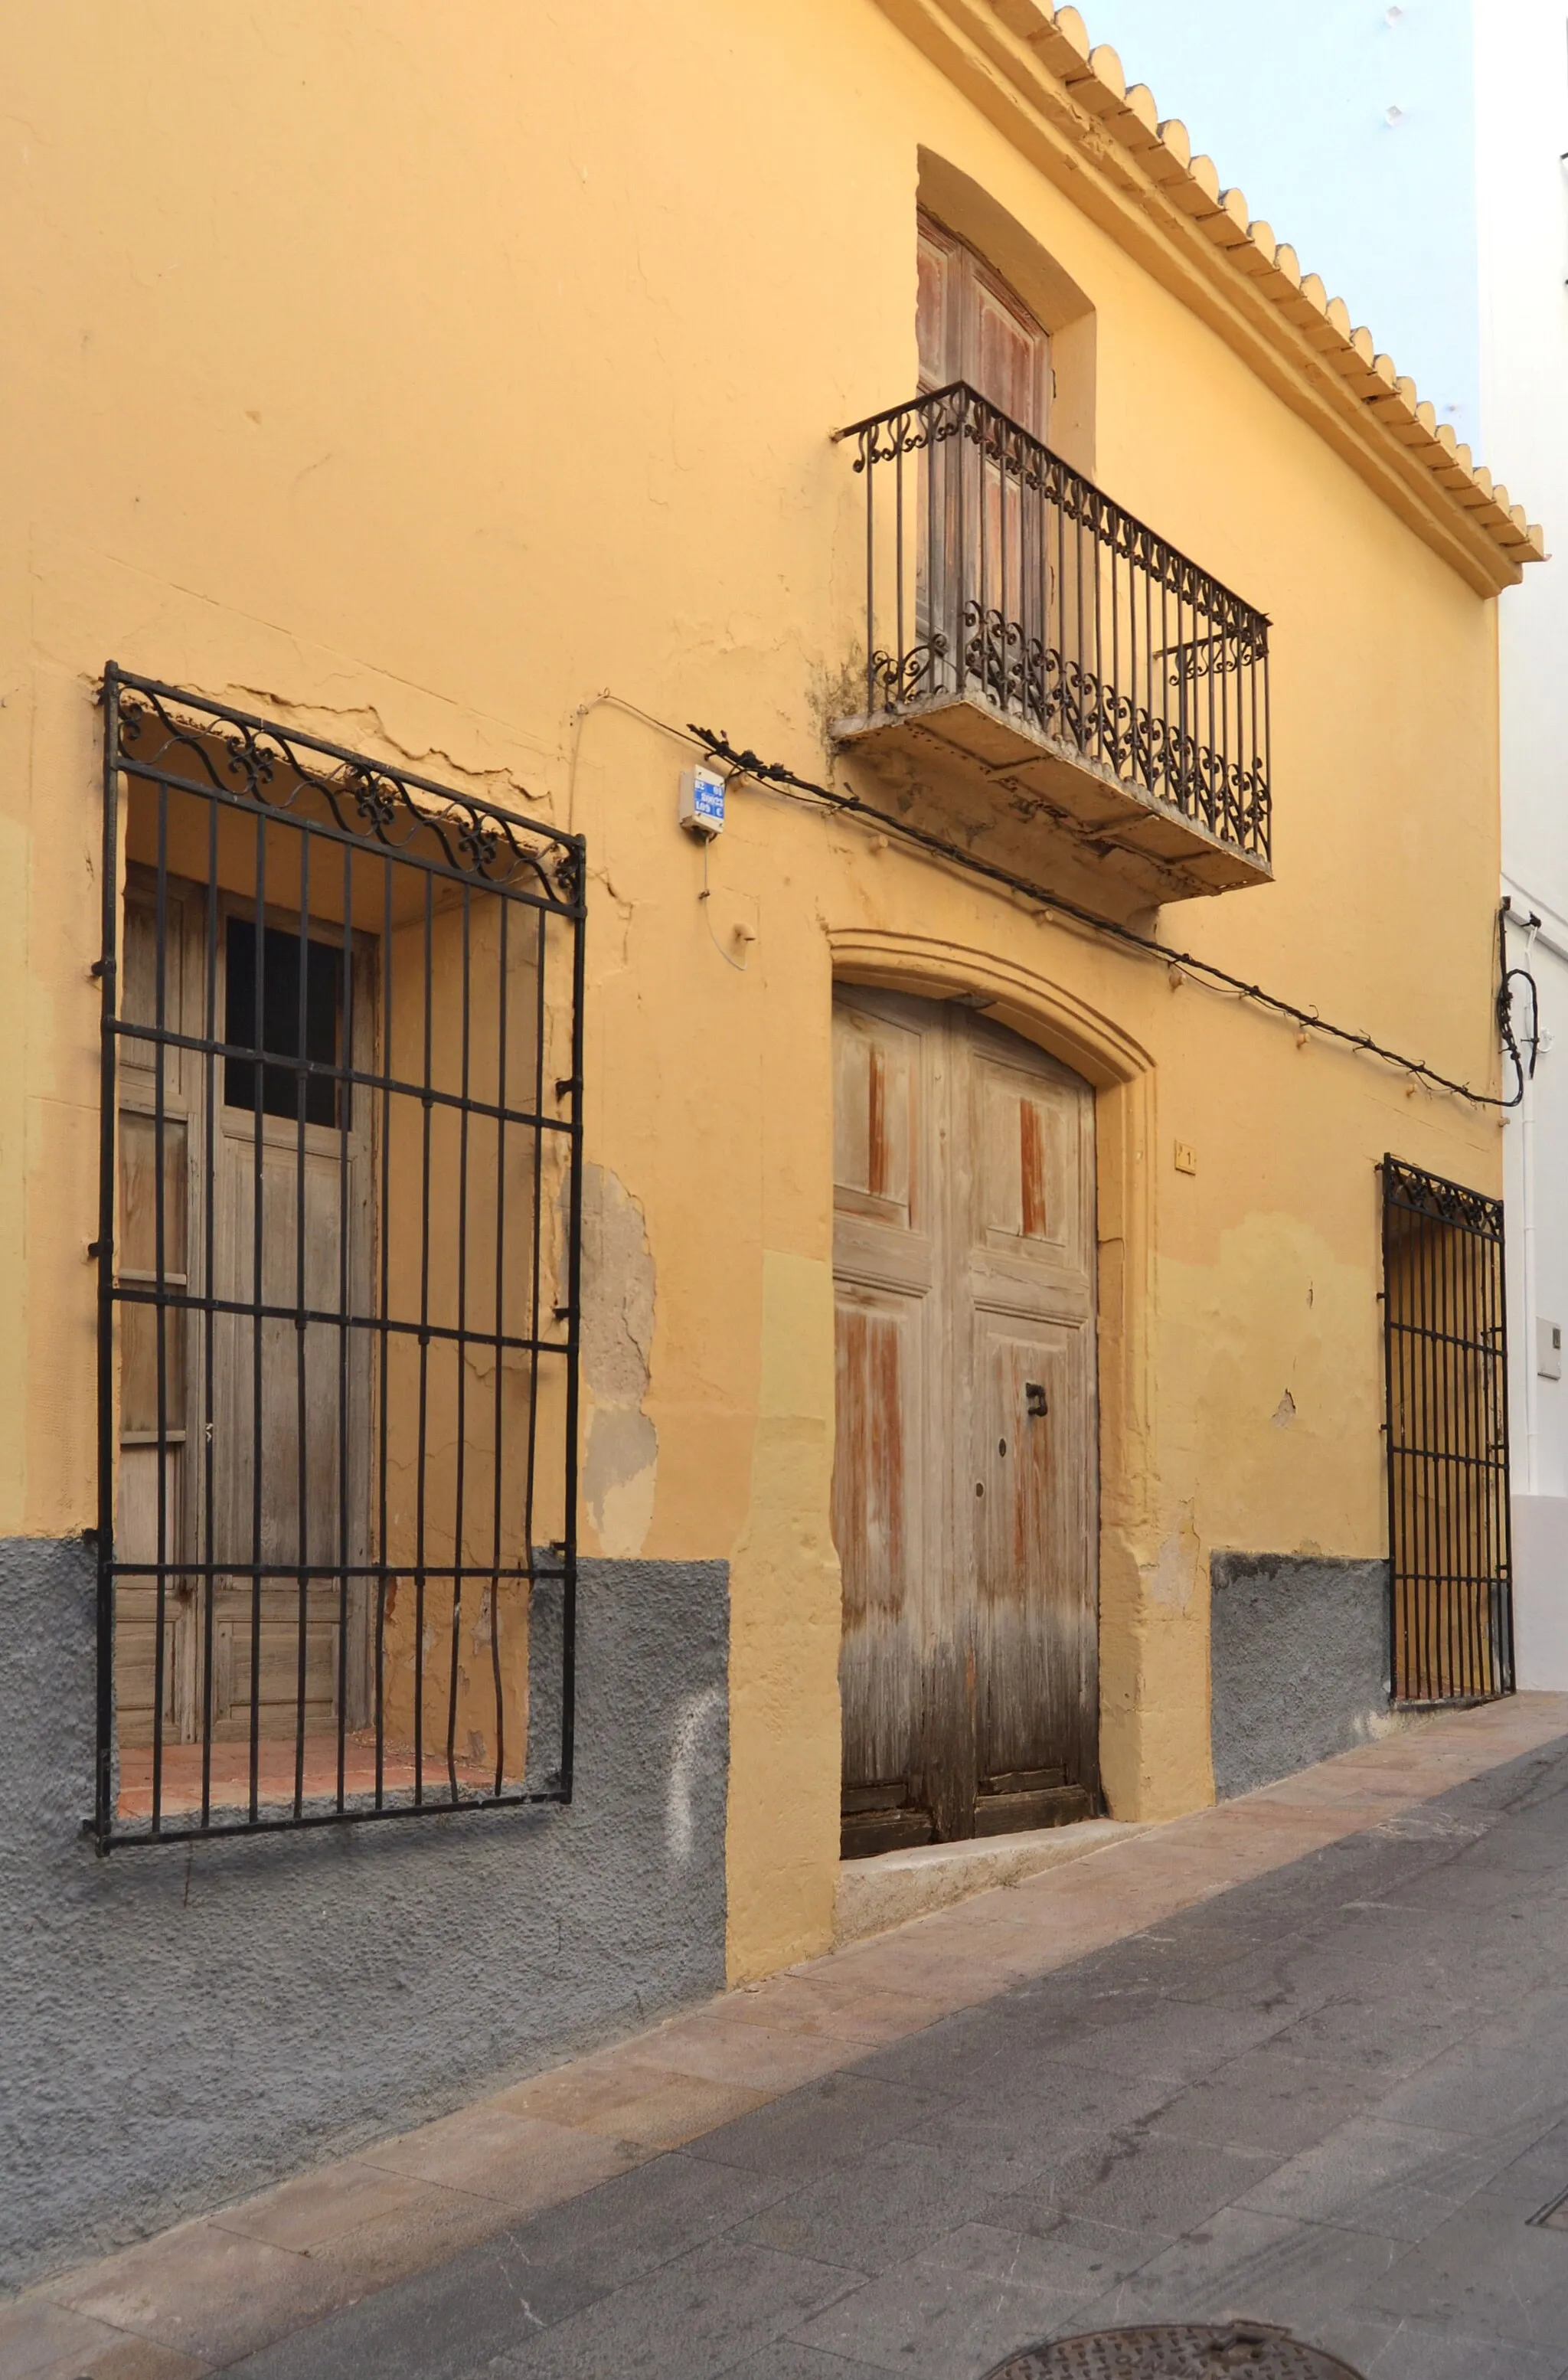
[[892, 1887]]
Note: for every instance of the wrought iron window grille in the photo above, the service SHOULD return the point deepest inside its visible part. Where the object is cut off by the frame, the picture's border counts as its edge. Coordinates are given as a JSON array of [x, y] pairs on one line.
[[339, 1254], [996, 572], [1445, 1330]]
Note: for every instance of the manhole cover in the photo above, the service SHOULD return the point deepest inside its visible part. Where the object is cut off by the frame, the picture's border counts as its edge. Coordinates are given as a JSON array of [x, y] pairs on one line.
[[1177, 2351]]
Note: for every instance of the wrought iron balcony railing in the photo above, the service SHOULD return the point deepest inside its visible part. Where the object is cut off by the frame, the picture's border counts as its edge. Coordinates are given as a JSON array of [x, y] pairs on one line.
[[997, 575]]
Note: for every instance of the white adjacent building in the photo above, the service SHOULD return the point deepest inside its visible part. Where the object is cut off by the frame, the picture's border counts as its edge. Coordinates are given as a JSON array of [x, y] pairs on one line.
[[1416, 157]]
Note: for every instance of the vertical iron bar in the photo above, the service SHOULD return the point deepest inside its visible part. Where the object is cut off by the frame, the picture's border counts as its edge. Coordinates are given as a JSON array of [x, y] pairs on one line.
[[343, 1094], [301, 1413], [1172, 785], [1267, 775], [960, 593], [1485, 1532], [1477, 1379], [1477, 1485], [1212, 645], [1145, 677], [898, 598], [1065, 605], [423, 1432], [1500, 1484], [108, 1186], [460, 1466], [258, 1088], [1113, 523], [498, 1423], [160, 1308], [574, 1322], [384, 1332], [1456, 1440], [1391, 1409], [536, 1318], [936, 547], [1475, 1473], [867, 453], [209, 1293], [1489, 1427]]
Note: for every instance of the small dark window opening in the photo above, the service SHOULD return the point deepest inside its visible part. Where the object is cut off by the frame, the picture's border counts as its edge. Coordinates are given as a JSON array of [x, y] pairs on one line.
[[300, 1012]]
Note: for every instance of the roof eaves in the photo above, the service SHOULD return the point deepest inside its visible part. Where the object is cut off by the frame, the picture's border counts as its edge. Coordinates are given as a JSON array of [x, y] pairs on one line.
[[1161, 152]]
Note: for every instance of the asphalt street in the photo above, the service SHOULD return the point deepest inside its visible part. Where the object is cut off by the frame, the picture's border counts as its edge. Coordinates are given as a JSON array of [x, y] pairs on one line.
[[1335, 2098]]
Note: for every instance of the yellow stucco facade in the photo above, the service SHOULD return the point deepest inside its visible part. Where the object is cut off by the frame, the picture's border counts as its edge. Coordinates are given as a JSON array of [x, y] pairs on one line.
[[499, 443]]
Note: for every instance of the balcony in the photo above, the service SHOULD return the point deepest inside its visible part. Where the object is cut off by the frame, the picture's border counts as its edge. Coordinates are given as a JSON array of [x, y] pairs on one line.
[[1044, 675]]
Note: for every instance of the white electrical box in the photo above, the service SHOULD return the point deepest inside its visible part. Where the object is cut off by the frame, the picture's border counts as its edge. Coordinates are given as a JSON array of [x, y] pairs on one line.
[[702, 802], [1548, 1350]]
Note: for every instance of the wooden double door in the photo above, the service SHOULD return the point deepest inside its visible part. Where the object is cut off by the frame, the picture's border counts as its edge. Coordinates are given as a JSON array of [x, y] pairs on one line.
[[964, 1505]]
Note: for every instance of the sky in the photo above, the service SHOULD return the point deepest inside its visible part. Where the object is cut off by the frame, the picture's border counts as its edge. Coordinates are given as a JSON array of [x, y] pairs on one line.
[[1349, 126]]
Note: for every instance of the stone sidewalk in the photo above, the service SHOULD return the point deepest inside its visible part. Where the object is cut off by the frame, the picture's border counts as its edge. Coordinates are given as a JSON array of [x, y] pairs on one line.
[[1302, 2057]]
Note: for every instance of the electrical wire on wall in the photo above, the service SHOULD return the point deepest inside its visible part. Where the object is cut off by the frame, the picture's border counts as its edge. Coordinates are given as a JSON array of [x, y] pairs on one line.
[[742, 764], [774, 773], [1507, 977], [606, 699]]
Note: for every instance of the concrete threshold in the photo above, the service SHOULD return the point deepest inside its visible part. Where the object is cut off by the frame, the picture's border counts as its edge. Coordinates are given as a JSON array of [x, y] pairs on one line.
[[892, 1887]]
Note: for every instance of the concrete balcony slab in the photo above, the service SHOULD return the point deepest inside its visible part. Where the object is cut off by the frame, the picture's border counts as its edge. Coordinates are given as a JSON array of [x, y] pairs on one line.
[[1038, 797]]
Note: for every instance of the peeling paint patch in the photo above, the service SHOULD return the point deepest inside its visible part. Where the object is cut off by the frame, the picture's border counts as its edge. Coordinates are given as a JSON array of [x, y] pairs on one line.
[[621, 1464], [1284, 1412], [620, 1472], [1169, 1580]]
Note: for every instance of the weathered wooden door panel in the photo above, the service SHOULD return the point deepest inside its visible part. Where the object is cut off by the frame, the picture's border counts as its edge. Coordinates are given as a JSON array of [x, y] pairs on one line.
[[290, 1489], [890, 1517], [308, 1452], [965, 1477], [878, 1519], [1030, 1267], [1034, 1610]]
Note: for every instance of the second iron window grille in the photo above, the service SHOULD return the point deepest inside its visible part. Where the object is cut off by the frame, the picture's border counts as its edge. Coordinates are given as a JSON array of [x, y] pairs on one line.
[[1445, 1325]]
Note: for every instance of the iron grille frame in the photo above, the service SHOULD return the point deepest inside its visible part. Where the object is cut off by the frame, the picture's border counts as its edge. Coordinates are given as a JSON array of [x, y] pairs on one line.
[[1081, 623], [1446, 1438], [251, 772]]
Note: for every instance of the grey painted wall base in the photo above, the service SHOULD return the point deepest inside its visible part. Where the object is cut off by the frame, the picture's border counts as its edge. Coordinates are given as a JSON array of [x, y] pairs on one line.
[[180, 2026], [1298, 1662]]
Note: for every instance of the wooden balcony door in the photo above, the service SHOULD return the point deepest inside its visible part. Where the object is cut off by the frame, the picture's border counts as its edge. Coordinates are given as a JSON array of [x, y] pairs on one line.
[[983, 592], [965, 1464]]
